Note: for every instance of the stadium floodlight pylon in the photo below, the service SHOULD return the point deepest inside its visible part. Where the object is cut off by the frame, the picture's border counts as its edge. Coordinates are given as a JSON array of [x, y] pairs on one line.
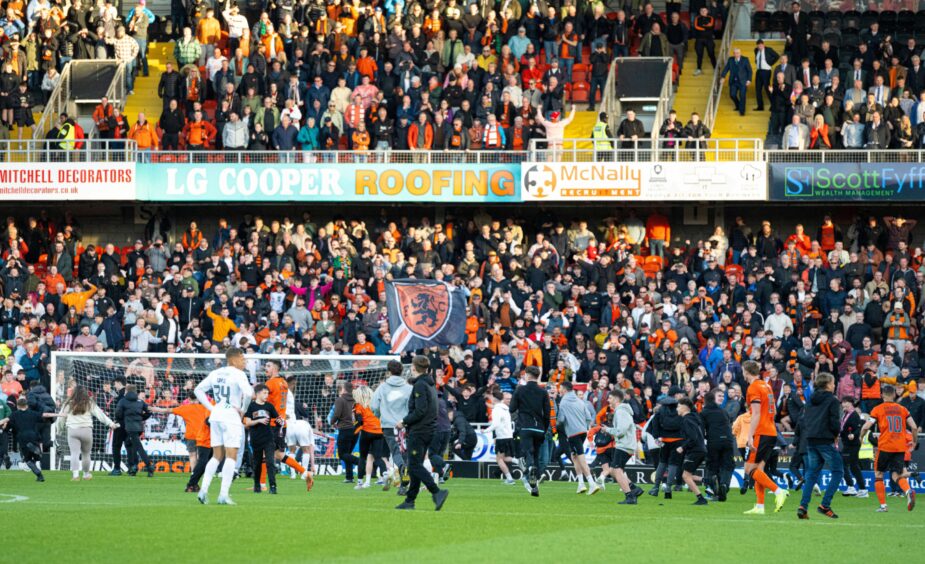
[[170, 376]]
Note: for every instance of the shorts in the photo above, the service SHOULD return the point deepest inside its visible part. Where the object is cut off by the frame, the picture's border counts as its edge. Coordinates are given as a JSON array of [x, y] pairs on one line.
[[504, 447], [279, 437], [605, 456], [299, 433], [226, 433], [669, 454], [576, 444], [190, 445], [889, 462], [692, 461], [762, 451], [620, 459]]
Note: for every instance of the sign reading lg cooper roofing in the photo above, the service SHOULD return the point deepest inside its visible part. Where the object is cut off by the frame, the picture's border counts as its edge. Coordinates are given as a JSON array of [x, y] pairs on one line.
[[848, 181], [665, 181], [320, 182], [67, 181]]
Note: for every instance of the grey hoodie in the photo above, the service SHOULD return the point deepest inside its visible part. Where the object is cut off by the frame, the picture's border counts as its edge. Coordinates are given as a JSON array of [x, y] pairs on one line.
[[390, 401], [575, 415], [624, 429]]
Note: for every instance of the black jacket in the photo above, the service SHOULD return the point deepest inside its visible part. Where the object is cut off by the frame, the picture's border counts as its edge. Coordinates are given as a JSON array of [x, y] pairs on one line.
[[666, 423], [531, 403], [716, 425], [852, 427], [132, 412], [463, 433], [422, 407], [693, 441], [40, 400], [821, 419]]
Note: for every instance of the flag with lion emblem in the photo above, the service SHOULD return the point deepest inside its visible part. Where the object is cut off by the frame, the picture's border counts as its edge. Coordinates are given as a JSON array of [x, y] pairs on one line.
[[424, 313]]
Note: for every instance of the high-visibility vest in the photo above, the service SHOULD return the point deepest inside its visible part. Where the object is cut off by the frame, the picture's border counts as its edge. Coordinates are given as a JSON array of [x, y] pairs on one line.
[[867, 449], [600, 132]]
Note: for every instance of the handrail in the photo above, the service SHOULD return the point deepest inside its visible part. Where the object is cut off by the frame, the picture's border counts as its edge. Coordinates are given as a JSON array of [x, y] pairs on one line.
[[716, 89], [664, 102], [57, 103]]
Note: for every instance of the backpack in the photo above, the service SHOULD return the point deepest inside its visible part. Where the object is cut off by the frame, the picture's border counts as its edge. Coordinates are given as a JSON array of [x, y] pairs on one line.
[[602, 439]]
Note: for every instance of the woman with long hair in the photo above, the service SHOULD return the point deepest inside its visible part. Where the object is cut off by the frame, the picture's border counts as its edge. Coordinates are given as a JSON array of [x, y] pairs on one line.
[[370, 429], [77, 415]]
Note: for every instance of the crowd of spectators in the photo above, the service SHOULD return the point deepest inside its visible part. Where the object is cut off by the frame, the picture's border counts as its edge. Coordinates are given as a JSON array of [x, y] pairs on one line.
[[873, 98], [619, 304], [345, 74]]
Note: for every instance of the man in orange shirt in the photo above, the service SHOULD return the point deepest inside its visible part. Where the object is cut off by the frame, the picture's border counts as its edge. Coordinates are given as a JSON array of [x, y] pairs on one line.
[[658, 232], [363, 346], [208, 33], [282, 395], [198, 134], [762, 437], [194, 416], [145, 136], [892, 420]]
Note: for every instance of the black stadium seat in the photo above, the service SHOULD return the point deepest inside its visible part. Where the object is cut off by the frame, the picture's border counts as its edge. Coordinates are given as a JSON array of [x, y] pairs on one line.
[[869, 17], [887, 21], [849, 41], [834, 39], [851, 20], [816, 22], [919, 24], [905, 21], [815, 40], [780, 21], [833, 20], [761, 22]]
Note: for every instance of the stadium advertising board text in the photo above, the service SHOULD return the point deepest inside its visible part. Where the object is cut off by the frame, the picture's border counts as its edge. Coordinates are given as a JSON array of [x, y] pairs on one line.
[[67, 181], [330, 182], [887, 182], [661, 181]]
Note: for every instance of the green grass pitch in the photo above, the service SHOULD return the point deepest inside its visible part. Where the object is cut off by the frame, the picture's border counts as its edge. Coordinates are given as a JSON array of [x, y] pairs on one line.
[[139, 519]]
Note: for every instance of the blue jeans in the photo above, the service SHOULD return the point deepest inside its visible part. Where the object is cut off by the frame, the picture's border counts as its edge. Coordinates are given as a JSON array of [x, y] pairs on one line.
[[620, 51], [551, 49], [130, 76], [818, 456], [143, 54], [657, 248]]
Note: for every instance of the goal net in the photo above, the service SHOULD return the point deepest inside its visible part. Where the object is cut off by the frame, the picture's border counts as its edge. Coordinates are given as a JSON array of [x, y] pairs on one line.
[[167, 379]]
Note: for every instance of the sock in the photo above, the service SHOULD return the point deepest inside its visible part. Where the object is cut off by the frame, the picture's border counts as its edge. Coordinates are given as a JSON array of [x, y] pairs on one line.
[[290, 462], [211, 468], [581, 481], [227, 478], [590, 480], [761, 478], [904, 484], [75, 474], [759, 494], [880, 488], [507, 476], [35, 469]]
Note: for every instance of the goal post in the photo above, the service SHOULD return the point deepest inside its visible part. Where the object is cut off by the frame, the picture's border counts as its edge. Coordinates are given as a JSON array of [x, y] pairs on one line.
[[167, 378]]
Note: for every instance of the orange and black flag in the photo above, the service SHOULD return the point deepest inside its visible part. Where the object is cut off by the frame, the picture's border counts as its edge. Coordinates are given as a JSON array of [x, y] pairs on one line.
[[425, 313]]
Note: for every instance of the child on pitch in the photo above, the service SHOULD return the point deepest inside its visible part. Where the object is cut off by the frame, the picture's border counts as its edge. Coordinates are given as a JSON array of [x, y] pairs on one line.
[[257, 419], [693, 446]]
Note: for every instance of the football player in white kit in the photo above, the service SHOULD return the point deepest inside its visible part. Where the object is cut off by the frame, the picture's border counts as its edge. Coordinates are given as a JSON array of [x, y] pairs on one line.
[[232, 392]]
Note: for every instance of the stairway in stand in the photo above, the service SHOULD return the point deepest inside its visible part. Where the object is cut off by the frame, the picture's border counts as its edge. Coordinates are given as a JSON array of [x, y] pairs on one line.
[[692, 92], [753, 125], [145, 98]]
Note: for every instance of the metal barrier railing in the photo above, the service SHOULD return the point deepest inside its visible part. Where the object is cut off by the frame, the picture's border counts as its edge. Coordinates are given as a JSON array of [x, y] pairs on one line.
[[335, 157], [849, 156], [716, 89], [61, 150], [56, 104], [646, 150]]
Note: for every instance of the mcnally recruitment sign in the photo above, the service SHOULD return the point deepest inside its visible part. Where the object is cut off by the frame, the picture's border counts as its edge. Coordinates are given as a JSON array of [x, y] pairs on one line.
[[886, 182], [321, 182]]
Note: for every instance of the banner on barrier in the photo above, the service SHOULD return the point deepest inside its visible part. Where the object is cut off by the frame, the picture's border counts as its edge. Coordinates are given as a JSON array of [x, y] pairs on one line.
[[660, 181], [329, 182], [886, 182], [67, 181]]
